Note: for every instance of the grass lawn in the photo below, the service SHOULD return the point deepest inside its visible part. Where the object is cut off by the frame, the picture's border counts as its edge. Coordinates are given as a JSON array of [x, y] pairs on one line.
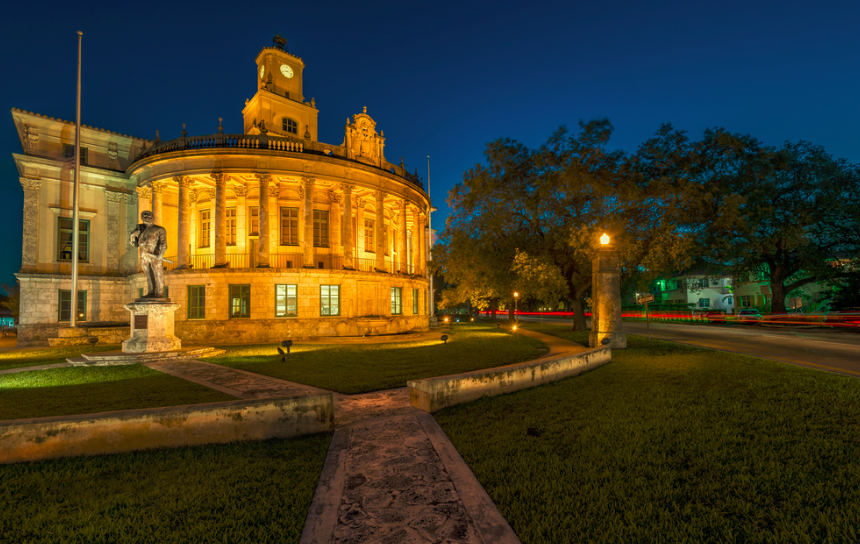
[[46, 356], [240, 492], [352, 369], [86, 390], [671, 443]]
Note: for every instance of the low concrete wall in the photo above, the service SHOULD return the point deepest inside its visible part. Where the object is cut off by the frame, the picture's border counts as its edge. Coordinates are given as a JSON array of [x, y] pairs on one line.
[[174, 426], [433, 394]]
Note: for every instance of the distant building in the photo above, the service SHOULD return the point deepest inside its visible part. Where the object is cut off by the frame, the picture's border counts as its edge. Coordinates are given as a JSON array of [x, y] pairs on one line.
[[272, 233]]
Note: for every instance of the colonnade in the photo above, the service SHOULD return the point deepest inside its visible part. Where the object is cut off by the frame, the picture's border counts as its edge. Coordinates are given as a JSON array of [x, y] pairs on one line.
[[343, 206]]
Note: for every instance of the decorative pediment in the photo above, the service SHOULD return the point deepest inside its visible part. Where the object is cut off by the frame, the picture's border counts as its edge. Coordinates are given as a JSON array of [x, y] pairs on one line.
[[362, 141]]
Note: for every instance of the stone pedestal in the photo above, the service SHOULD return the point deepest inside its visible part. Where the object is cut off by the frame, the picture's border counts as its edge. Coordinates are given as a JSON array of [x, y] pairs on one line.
[[606, 328], [151, 326]]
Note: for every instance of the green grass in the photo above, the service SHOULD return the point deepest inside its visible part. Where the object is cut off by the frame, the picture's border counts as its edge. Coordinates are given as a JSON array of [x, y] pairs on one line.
[[352, 369], [46, 356], [86, 390], [670, 443], [256, 492]]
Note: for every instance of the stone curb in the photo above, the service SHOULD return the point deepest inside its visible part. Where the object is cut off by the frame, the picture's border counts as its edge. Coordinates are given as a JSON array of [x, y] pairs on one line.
[[322, 515]]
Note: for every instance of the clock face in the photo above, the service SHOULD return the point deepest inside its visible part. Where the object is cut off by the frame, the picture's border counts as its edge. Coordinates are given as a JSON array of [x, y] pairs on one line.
[[286, 70], [262, 71]]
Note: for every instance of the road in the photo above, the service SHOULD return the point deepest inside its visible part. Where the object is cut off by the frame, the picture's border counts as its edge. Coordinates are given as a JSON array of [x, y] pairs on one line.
[[828, 350]]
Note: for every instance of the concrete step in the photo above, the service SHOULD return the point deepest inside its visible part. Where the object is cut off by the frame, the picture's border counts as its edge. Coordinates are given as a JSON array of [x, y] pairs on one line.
[[72, 341], [68, 332], [110, 358]]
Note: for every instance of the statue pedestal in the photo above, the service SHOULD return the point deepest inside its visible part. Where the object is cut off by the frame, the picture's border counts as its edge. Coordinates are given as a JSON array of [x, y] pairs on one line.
[[151, 326]]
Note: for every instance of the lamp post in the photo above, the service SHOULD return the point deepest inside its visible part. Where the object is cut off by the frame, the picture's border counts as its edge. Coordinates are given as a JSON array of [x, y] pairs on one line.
[[516, 300], [606, 329]]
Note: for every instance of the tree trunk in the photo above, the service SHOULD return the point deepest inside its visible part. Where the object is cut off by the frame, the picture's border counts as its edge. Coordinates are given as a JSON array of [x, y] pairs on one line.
[[777, 302], [578, 315]]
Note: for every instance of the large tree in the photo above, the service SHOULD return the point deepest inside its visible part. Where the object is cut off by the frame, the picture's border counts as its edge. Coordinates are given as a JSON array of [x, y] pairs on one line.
[[788, 215], [529, 220]]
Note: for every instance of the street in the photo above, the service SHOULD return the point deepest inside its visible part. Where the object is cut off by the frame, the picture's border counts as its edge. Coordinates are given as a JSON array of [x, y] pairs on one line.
[[828, 350]]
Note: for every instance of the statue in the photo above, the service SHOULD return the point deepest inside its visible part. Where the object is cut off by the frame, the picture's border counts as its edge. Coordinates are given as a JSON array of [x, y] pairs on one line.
[[152, 241]]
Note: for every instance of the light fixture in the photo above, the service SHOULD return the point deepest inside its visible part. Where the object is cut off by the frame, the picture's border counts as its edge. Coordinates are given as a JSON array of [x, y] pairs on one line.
[[516, 294], [604, 239], [515, 327]]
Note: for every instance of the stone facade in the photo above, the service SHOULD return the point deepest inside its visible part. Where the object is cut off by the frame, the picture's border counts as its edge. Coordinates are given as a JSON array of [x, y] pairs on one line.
[[270, 206]]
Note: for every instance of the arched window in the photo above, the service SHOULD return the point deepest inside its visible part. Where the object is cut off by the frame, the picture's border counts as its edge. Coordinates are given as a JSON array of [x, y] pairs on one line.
[[290, 126]]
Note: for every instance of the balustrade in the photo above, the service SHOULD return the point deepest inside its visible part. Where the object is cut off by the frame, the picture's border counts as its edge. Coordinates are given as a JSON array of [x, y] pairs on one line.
[[278, 260]]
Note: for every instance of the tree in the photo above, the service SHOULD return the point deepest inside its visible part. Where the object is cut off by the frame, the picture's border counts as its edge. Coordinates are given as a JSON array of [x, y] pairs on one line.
[[786, 215], [529, 220], [13, 299]]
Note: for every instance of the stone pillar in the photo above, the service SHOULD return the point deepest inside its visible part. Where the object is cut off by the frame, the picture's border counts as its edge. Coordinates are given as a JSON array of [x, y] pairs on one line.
[[606, 328], [144, 195], [184, 184], [263, 221], [401, 242], [241, 223], [194, 216], [380, 231], [132, 216], [348, 235], [30, 241], [211, 193], [308, 227], [360, 242], [421, 265], [274, 221], [415, 240], [114, 246], [157, 190], [334, 242], [220, 220]]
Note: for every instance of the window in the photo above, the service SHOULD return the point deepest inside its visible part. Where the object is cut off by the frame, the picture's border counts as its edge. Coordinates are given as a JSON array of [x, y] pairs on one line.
[[231, 226], [254, 214], [289, 226], [320, 228], [290, 126], [64, 242], [205, 228], [415, 301], [715, 283], [69, 153], [240, 301], [730, 301], [196, 302], [704, 303], [746, 301], [285, 301], [368, 235], [66, 305], [396, 307], [329, 299]]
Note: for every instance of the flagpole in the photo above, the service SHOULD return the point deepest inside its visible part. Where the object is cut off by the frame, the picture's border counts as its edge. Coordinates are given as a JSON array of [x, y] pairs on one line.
[[430, 240], [73, 318]]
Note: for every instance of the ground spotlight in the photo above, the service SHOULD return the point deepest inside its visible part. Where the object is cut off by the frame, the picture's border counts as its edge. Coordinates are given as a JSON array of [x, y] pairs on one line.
[[444, 338]]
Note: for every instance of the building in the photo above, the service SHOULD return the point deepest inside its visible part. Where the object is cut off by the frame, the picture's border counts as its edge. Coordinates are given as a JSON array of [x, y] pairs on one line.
[[272, 233]]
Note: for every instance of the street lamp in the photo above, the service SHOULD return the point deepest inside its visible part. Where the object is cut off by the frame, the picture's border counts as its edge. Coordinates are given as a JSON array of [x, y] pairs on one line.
[[516, 299], [604, 239]]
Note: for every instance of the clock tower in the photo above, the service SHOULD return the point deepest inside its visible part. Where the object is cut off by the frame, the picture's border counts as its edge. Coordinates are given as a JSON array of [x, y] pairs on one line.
[[279, 105]]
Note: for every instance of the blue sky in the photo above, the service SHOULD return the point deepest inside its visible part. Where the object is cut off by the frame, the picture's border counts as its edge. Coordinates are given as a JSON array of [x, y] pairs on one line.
[[441, 78]]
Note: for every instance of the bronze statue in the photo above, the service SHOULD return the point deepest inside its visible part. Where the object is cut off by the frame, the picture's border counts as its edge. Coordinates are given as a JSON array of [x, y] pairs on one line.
[[152, 241]]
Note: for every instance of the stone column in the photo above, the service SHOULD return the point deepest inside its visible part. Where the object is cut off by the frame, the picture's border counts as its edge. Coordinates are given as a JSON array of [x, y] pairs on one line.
[[194, 217], [360, 242], [308, 227], [348, 235], [114, 246], [241, 223], [401, 240], [157, 189], [334, 242], [184, 184], [132, 215], [30, 241], [380, 231], [421, 265], [606, 328], [263, 221], [211, 193], [219, 222], [144, 195], [415, 240], [274, 221]]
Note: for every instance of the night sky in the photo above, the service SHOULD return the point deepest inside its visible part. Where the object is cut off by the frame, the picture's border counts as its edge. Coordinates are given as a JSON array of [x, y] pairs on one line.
[[440, 78]]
